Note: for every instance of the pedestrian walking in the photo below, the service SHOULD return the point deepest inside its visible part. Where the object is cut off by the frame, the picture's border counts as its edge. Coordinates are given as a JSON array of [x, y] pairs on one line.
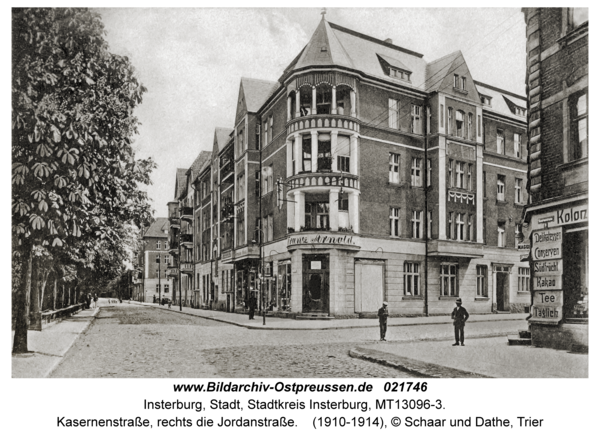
[[383, 316], [460, 316], [88, 300], [251, 306], [169, 302], [95, 300]]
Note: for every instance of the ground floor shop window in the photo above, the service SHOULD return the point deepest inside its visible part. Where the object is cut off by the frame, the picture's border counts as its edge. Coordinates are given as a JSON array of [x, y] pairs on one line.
[[575, 277], [411, 279], [449, 280], [284, 286]]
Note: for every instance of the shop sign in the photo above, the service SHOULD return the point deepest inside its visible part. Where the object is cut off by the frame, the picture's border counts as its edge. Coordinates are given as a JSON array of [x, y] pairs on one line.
[[564, 216], [547, 283], [547, 268], [548, 298], [546, 244], [543, 313], [323, 239]]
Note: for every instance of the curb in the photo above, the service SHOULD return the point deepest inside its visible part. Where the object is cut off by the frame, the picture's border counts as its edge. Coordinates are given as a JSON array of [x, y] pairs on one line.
[[66, 350], [212, 318], [413, 366]]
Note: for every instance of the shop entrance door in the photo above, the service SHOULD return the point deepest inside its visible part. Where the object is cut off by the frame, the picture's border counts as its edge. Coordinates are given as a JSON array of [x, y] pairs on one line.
[[502, 293], [368, 285], [315, 283]]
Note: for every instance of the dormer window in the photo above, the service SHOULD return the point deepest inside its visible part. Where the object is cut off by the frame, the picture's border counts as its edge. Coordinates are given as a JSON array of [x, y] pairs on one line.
[[399, 74], [394, 68], [520, 111], [486, 100]]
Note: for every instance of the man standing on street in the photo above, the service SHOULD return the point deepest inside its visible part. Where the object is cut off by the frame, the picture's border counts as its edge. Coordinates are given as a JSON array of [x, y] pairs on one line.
[[383, 316], [460, 316], [251, 306]]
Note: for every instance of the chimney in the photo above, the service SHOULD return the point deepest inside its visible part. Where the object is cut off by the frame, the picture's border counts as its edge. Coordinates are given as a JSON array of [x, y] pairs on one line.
[[389, 40]]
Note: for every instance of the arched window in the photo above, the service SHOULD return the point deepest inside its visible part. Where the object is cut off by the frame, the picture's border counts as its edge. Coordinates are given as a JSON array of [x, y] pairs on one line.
[[323, 99], [460, 116]]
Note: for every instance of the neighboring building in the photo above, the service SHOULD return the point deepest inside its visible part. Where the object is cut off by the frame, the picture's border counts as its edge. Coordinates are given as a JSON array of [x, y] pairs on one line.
[[154, 261], [367, 174], [557, 83]]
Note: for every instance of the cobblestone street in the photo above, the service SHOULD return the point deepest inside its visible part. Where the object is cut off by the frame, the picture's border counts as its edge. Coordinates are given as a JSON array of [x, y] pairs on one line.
[[149, 342]]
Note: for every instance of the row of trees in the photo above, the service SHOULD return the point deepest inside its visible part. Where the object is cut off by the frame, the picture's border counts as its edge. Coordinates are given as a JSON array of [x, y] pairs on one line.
[[77, 187]]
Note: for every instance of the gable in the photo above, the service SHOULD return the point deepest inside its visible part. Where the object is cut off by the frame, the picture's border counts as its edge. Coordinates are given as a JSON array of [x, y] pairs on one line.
[[459, 67], [241, 108]]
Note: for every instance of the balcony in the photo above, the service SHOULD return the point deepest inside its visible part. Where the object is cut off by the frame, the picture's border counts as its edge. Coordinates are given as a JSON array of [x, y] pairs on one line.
[[174, 222], [172, 272], [324, 179], [316, 121], [186, 213], [226, 171], [187, 239], [187, 268]]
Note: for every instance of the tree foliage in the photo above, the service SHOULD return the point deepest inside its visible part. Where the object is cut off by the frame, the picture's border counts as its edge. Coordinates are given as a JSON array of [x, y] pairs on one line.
[[76, 184]]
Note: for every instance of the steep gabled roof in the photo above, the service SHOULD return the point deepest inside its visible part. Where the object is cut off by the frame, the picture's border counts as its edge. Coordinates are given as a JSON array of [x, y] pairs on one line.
[[158, 228], [180, 182], [222, 136], [198, 163], [256, 92], [437, 70]]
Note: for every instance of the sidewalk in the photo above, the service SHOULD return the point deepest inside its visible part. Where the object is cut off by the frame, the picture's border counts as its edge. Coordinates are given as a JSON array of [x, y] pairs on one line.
[[273, 323], [480, 357], [48, 347]]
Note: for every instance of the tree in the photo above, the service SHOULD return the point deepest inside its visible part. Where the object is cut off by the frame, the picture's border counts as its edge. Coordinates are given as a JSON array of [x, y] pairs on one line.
[[75, 177]]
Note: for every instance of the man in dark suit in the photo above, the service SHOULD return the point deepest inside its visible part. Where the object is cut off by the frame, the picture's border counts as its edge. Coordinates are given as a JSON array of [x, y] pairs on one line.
[[460, 316], [383, 316], [251, 306]]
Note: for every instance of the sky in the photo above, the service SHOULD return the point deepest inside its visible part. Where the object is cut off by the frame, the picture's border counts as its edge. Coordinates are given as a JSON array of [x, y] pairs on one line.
[[191, 61]]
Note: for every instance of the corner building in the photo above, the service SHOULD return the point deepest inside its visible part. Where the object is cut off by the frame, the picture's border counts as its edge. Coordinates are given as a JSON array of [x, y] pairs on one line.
[[557, 86], [367, 174]]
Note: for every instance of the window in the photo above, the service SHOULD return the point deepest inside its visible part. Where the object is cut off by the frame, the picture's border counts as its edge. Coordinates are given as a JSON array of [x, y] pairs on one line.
[[517, 145], [429, 174], [416, 127], [324, 99], [456, 81], [428, 120], [411, 279], [343, 151], [429, 223], [482, 290], [324, 153], [501, 234], [500, 188], [306, 154], [484, 183], [469, 177], [167, 260], [518, 191], [450, 173], [450, 121], [470, 236], [460, 226], [241, 192], [460, 123], [463, 83], [417, 220], [166, 288], [448, 280], [460, 175], [342, 202], [500, 141], [270, 129], [579, 126], [523, 280], [399, 74], [265, 133], [158, 244], [241, 142], [323, 215], [157, 260], [442, 116], [415, 172], [451, 230], [470, 127], [478, 126], [270, 178], [394, 113], [394, 221], [394, 168], [158, 288], [308, 209]]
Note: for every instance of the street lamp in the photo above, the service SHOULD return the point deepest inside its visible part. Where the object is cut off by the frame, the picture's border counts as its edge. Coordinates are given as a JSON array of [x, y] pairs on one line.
[[261, 273]]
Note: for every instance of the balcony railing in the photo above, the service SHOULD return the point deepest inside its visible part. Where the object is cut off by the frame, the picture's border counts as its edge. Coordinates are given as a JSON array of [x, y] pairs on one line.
[[316, 121], [186, 213], [187, 237], [174, 222], [187, 268], [323, 179]]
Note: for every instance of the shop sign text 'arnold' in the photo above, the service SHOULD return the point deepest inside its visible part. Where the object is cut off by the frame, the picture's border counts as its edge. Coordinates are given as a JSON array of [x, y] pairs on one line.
[[322, 239]]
